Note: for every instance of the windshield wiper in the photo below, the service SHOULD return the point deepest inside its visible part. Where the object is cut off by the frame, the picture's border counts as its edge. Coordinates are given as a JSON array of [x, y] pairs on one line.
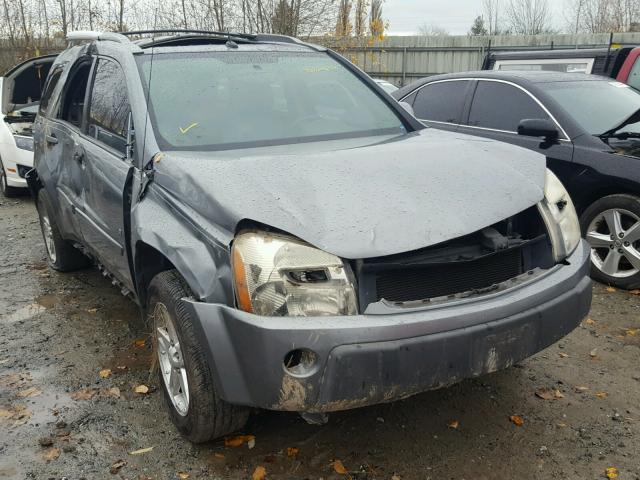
[[612, 133]]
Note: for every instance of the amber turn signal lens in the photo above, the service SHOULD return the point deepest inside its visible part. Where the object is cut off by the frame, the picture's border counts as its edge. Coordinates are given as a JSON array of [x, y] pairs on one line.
[[242, 289]]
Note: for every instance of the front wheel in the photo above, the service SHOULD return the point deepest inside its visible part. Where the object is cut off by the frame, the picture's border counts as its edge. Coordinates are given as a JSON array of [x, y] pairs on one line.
[[185, 375], [611, 225]]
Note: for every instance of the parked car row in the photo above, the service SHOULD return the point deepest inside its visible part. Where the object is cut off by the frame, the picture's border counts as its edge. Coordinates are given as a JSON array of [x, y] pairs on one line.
[[295, 238]]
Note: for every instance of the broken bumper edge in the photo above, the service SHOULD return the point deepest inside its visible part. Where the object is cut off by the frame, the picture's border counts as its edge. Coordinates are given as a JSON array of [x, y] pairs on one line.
[[367, 359]]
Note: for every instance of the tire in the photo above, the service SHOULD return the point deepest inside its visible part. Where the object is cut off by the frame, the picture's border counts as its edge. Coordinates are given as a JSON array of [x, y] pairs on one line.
[[7, 191], [61, 254], [201, 415], [612, 227]]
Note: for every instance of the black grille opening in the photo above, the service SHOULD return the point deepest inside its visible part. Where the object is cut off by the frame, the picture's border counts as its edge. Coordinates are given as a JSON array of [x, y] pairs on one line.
[[474, 262], [429, 281]]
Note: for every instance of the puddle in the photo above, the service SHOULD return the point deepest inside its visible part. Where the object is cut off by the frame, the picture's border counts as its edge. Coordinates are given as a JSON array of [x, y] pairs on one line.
[[24, 313], [42, 303]]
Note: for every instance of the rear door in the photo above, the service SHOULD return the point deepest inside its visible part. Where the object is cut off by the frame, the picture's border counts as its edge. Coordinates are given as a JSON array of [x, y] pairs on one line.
[[440, 104], [496, 110], [60, 156], [106, 167]]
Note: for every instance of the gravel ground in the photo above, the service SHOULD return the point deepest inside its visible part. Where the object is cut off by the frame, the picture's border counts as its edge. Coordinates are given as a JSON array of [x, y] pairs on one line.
[[60, 419]]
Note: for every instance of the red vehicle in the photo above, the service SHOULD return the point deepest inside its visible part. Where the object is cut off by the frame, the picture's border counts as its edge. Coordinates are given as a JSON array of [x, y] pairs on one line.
[[616, 61]]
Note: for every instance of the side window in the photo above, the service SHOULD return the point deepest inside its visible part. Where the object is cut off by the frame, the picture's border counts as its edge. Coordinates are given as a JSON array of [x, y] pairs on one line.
[[50, 86], [502, 106], [441, 102], [72, 106], [634, 75], [109, 108]]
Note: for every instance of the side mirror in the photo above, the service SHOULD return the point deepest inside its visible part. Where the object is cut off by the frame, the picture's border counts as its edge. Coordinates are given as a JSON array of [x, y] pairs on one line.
[[408, 108], [538, 127]]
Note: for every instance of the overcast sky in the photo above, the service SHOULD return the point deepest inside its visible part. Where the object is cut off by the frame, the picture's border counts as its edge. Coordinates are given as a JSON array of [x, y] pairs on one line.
[[455, 16]]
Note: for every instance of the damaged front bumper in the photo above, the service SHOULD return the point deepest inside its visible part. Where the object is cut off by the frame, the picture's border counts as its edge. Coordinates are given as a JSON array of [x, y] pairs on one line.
[[373, 358]]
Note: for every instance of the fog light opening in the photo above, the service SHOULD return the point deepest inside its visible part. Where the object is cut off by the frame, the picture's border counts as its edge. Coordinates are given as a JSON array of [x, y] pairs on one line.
[[300, 362]]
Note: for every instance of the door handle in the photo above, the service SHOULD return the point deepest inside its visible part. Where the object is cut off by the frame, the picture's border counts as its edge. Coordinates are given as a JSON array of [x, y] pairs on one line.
[[51, 139]]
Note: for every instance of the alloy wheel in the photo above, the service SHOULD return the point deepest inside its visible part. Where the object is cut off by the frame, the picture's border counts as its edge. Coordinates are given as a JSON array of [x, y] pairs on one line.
[[614, 236], [47, 233], [170, 360]]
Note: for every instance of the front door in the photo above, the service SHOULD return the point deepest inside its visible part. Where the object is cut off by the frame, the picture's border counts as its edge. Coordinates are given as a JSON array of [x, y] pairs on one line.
[[495, 112], [106, 168]]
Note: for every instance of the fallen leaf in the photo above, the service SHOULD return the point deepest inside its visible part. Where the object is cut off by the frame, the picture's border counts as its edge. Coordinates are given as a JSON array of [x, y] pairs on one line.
[[183, 475], [545, 394], [251, 443], [259, 473], [141, 451], [338, 467], [563, 355], [581, 389], [558, 394], [141, 389], [632, 332], [116, 466], [517, 420], [602, 394], [453, 424], [292, 451], [51, 454], [113, 392], [84, 394], [105, 372], [237, 440], [590, 321], [219, 455], [593, 353], [139, 343], [561, 425], [92, 310], [611, 472], [610, 289], [29, 392], [395, 476], [635, 292]]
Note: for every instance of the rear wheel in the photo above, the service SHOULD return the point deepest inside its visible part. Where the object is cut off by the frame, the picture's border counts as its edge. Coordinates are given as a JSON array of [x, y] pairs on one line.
[[185, 375], [6, 190], [61, 254], [611, 225]]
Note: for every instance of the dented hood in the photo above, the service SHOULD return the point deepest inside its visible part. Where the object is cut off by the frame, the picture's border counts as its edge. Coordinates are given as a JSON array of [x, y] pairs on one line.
[[359, 201]]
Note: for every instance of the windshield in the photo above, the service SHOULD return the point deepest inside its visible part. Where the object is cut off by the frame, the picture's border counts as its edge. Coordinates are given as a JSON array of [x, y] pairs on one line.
[[223, 100], [597, 106]]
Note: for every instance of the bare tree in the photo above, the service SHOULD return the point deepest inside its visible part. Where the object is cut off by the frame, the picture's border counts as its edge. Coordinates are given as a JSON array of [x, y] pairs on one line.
[[431, 30], [491, 16], [343, 23], [599, 16], [528, 17]]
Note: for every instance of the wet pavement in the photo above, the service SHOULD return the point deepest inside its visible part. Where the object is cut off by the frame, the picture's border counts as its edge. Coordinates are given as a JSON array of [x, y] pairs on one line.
[[72, 353]]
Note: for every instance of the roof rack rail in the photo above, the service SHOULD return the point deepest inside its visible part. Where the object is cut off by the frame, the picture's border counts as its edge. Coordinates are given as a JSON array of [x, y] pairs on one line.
[[91, 36], [248, 36]]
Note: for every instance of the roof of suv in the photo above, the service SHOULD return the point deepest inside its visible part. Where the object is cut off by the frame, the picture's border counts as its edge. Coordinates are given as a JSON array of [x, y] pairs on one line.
[[178, 40]]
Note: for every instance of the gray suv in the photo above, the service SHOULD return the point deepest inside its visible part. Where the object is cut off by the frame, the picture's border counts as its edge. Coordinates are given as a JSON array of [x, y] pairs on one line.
[[296, 239]]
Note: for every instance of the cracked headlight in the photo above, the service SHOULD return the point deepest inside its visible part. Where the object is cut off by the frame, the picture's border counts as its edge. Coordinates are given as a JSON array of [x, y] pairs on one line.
[[24, 143], [277, 275], [560, 217]]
